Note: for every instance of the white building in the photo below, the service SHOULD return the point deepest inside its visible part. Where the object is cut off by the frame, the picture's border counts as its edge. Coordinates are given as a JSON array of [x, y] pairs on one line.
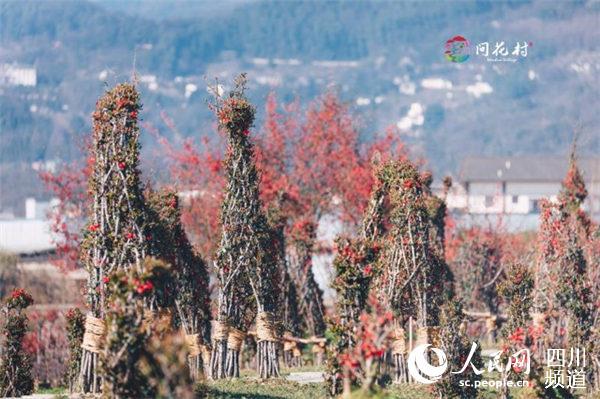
[[32, 235], [31, 240], [17, 75], [514, 186]]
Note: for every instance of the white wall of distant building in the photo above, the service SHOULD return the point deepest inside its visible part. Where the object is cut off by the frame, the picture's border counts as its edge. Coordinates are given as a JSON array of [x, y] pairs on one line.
[[15, 75]]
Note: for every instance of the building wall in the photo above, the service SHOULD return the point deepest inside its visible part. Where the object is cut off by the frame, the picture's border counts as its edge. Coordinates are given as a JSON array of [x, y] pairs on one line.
[[517, 198], [484, 188], [25, 236], [532, 189], [485, 204], [14, 75]]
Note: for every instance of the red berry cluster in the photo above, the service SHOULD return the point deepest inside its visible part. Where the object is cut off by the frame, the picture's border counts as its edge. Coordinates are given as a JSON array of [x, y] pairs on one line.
[[143, 288], [19, 299]]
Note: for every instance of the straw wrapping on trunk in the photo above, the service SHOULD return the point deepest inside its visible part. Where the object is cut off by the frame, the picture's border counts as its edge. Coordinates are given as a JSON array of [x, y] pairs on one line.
[[399, 344], [220, 331], [193, 344], [93, 337], [235, 339], [265, 327]]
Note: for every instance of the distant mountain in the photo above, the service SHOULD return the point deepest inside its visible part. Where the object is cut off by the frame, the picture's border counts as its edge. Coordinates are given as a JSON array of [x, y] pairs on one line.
[[390, 66], [160, 10], [307, 30]]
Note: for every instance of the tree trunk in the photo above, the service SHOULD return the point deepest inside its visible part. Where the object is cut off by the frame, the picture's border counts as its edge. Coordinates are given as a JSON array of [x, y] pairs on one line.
[[267, 359], [233, 363], [218, 359]]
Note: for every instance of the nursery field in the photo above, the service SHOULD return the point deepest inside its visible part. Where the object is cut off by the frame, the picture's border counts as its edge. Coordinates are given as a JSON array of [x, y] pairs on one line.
[[251, 388], [190, 287]]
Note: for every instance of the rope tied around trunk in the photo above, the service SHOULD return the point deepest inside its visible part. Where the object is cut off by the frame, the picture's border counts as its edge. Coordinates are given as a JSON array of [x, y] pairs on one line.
[[288, 345], [429, 335], [318, 348], [193, 344], [265, 327], [93, 337], [490, 323], [220, 331], [398, 344], [235, 339], [422, 336]]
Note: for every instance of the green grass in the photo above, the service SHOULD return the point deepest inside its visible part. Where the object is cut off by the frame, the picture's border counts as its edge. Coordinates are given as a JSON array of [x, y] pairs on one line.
[[53, 390], [253, 388], [280, 389]]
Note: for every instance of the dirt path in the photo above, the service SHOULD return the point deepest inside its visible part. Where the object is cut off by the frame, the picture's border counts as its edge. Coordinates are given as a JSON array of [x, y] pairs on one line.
[[306, 377]]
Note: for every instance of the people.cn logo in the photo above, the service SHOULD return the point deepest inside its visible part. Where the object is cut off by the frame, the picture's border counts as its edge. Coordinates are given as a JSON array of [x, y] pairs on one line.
[[419, 367], [456, 49]]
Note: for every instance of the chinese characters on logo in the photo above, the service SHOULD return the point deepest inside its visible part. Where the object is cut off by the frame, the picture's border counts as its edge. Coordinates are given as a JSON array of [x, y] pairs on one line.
[[563, 369], [501, 52], [520, 362], [457, 49], [557, 368]]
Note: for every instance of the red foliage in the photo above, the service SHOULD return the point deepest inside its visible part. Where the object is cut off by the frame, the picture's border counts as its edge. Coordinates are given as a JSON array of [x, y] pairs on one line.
[[517, 337], [19, 299], [360, 362], [273, 153], [316, 159], [143, 288], [47, 344], [198, 173], [69, 186], [332, 169]]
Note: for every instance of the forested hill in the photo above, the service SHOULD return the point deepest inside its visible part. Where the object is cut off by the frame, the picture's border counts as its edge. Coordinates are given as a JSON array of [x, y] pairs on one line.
[[390, 68], [306, 30]]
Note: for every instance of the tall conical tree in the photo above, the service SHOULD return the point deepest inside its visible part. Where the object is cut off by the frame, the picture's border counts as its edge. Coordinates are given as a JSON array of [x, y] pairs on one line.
[[517, 291], [115, 236], [354, 269], [356, 258], [452, 335], [408, 268], [303, 237], [245, 243], [189, 294], [290, 311], [442, 279], [573, 191], [563, 268]]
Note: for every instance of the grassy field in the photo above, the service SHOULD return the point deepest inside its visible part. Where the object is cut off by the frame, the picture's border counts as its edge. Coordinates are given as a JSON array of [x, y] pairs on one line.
[[251, 388], [282, 389]]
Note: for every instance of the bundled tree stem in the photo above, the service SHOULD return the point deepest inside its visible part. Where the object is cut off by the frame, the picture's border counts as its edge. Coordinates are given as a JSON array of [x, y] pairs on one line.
[[310, 295], [75, 329], [115, 235], [191, 296], [245, 242], [15, 364]]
